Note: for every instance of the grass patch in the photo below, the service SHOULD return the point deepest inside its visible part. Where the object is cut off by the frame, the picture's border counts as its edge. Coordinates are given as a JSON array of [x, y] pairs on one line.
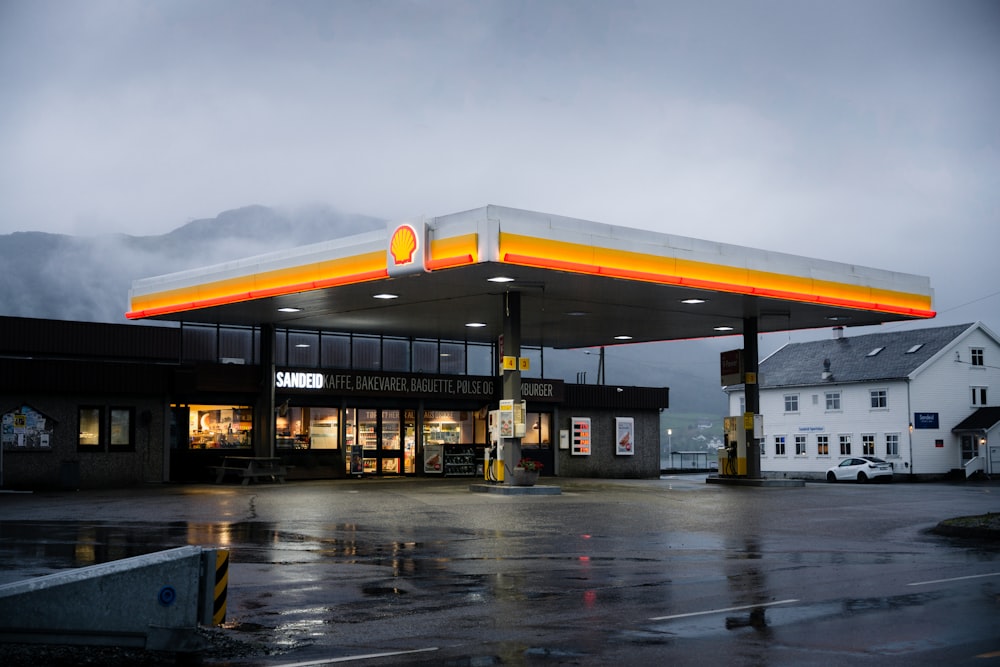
[[980, 526]]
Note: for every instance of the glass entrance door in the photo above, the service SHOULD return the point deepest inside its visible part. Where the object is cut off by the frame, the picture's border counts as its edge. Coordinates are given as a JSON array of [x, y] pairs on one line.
[[379, 445], [391, 450]]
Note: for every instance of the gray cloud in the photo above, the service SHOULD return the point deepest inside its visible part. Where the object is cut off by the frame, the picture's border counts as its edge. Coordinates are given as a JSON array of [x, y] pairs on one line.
[[855, 131]]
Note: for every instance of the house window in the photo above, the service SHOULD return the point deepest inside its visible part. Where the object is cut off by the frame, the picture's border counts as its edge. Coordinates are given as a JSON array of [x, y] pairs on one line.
[[823, 445], [89, 428], [868, 444], [845, 445], [800, 445], [122, 431], [892, 444], [743, 404], [779, 445], [979, 396], [833, 400], [977, 356], [791, 402], [880, 399]]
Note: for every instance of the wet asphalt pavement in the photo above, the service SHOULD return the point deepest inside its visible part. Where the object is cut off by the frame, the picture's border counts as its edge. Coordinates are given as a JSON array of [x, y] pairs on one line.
[[630, 572]]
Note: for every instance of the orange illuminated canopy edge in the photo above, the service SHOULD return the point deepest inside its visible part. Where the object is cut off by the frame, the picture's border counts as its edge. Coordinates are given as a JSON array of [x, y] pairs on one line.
[[563, 256], [551, 250]]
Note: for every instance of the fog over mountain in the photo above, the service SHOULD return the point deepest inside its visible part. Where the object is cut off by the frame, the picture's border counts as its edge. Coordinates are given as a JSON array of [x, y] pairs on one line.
[[87, 278]]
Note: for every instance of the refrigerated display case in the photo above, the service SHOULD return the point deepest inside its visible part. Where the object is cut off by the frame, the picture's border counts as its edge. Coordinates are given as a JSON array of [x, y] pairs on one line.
[[459, 460], [368, 440]]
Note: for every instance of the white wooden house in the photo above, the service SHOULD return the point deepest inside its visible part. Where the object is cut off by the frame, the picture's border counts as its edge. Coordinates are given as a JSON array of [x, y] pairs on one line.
[[926, 400]]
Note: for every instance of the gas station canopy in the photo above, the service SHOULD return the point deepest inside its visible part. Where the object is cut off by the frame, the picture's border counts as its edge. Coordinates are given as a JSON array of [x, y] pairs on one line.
[[581, 284]]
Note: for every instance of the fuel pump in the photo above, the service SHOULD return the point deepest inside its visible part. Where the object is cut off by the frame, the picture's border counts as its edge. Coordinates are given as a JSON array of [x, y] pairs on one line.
[[507, 423], [493, 459], [733, 457]]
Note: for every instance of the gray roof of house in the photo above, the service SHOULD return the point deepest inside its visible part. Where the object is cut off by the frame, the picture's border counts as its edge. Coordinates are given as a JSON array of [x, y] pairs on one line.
[[982, 419], [802, 364]]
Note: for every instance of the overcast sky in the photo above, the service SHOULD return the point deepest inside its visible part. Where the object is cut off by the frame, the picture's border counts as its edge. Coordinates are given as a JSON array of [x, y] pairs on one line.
[[862, 131]]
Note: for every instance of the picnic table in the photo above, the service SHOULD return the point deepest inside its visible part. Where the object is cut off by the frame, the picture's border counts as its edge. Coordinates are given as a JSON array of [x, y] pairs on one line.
[[251, 468]]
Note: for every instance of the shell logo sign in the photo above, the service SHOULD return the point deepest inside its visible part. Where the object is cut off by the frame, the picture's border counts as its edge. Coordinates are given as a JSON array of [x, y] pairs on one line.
[[405, 252], [403, 244]]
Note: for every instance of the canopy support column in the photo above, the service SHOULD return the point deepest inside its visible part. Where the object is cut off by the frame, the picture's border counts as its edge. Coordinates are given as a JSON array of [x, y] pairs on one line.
[[511, 378], [264, 412], [751, 365]]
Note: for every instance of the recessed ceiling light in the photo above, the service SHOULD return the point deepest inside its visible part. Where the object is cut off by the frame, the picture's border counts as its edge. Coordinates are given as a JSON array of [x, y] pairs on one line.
[[692, 301], [289, 310], [501, 279], [723, 328], [623, 337], [475, 325], [385, 295]]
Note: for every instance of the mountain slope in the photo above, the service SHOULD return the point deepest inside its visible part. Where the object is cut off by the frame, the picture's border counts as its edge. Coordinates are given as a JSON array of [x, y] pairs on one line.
[[86, 278]]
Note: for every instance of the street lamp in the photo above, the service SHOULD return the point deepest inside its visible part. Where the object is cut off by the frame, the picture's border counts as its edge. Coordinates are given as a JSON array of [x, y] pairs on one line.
[[600, 365], [670, 445]]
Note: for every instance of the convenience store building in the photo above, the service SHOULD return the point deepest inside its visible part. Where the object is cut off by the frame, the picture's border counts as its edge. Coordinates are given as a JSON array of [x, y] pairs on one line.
[[384, 353]]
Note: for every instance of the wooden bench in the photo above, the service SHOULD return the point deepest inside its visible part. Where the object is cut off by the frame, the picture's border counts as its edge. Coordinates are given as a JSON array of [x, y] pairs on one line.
[[251, 468]]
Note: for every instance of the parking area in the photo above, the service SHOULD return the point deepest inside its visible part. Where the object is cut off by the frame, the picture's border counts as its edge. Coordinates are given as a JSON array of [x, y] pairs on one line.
[[635, 572]]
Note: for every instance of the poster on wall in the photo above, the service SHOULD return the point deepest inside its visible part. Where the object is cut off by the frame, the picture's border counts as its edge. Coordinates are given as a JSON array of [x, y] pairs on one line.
[[357, 460], [434, 459], [25, 428], [625, 436]]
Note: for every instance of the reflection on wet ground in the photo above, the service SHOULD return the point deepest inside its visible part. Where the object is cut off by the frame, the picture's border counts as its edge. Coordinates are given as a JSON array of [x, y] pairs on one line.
[[632, 575], [55, 545], [43, 547]]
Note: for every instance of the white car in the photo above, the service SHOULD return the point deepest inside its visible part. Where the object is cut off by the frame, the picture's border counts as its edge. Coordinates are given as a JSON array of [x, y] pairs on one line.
[[861, 469]]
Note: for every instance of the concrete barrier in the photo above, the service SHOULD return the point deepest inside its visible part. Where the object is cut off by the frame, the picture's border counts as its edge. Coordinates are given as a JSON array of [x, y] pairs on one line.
[[155, 602]]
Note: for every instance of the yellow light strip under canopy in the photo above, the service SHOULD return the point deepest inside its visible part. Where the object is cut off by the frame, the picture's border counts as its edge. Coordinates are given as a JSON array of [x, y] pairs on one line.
[[612, 263]]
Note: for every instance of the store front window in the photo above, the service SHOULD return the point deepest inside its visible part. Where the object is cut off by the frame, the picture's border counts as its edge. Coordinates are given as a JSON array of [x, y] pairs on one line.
[[449, 442], [219, 426], [307, 428], [90, 427], [538, 430], [537, 441]]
